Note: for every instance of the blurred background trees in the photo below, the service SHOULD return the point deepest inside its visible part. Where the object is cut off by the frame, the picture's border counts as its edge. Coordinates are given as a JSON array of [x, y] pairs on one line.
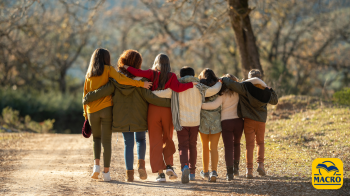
[[45, 46]]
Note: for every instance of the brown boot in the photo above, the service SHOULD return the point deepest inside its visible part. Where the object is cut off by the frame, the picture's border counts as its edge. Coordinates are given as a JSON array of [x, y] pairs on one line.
[[261, 169], [142, 169], [249, 173], [129, 176]]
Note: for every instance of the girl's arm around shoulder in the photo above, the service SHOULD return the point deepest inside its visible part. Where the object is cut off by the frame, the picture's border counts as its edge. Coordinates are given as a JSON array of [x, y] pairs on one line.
[[163, 93], [212, 105], [234, 86], [122, 79], [141, 73], [153, 99], [99, 93], [213, 90], [256, 80], [176, 86]]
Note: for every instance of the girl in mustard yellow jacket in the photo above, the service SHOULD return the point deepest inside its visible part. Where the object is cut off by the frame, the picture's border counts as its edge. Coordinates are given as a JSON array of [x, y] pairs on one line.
[[99, 112]]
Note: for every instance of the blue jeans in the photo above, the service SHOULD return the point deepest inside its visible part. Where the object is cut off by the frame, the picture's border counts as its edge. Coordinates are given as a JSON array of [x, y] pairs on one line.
[[129, 147]]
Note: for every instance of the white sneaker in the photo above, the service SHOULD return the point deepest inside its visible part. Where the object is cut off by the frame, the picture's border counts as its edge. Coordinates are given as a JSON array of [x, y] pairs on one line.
[[106, 176], [170, 172], [95, 172], [161, 178]]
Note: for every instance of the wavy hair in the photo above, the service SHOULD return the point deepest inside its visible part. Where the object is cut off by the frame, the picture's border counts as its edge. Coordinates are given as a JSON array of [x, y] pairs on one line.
[[131, 58]]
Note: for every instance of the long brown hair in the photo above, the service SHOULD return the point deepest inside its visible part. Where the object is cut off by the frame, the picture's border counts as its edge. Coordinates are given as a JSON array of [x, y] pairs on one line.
[[131, 58], [162, 64], [224, 88], [99, 59]]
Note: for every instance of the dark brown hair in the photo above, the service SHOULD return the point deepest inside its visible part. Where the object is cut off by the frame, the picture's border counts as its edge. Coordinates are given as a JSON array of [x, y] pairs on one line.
[[162, 64], [224, 88], [99, 59], [186, 71], [208, 77], [131, 58]]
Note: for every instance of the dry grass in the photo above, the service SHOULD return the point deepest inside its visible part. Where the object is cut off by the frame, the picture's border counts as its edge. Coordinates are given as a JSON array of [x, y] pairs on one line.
[[295, 136]]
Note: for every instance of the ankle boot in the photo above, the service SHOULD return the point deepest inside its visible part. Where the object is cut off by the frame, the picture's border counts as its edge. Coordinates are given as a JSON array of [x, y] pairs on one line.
[[142, 169], [229, 175], [261, 169], [129, 176], [249, 173], [236, 168]]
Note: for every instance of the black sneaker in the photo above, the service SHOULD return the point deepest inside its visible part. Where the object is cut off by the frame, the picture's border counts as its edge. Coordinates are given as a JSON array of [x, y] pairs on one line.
[[204, 175], [229, 177], [229, 174], [212, 176], [161, 178], [236, 168], [170, 172]]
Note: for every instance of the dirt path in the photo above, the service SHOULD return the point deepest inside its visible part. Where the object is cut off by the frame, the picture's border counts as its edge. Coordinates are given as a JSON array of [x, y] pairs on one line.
[[57, 164]]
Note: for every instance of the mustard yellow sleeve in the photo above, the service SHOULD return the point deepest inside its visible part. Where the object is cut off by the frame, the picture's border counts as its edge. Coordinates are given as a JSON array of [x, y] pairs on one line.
[[122, 79], [85, 92]]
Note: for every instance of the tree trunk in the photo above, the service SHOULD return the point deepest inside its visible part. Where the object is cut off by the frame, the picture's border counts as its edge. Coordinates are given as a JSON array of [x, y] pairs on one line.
[[245, 39], [62, 81]]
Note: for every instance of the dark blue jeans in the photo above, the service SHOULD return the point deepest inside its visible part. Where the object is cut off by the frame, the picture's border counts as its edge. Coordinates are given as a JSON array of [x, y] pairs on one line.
[[129, 138]]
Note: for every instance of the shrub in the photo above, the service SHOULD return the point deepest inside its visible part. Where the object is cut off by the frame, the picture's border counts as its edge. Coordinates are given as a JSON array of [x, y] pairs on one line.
[[342, 96], [10, 116], [12, 120], [66, 109]]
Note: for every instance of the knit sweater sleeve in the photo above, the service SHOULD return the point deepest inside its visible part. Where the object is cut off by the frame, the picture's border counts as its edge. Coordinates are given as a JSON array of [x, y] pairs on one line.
[[153, 99], [256, 80], [163, 93], [212, 105], [213, 90], [141, 73], [176, 86], [122, 79]]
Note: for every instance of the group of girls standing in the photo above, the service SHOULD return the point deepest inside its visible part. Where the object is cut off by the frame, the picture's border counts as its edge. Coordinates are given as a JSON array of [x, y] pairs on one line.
[[107, 115]]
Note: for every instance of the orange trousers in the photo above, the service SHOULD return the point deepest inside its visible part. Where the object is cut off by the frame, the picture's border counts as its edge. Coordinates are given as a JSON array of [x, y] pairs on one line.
[[254, 131], [160, 131]]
